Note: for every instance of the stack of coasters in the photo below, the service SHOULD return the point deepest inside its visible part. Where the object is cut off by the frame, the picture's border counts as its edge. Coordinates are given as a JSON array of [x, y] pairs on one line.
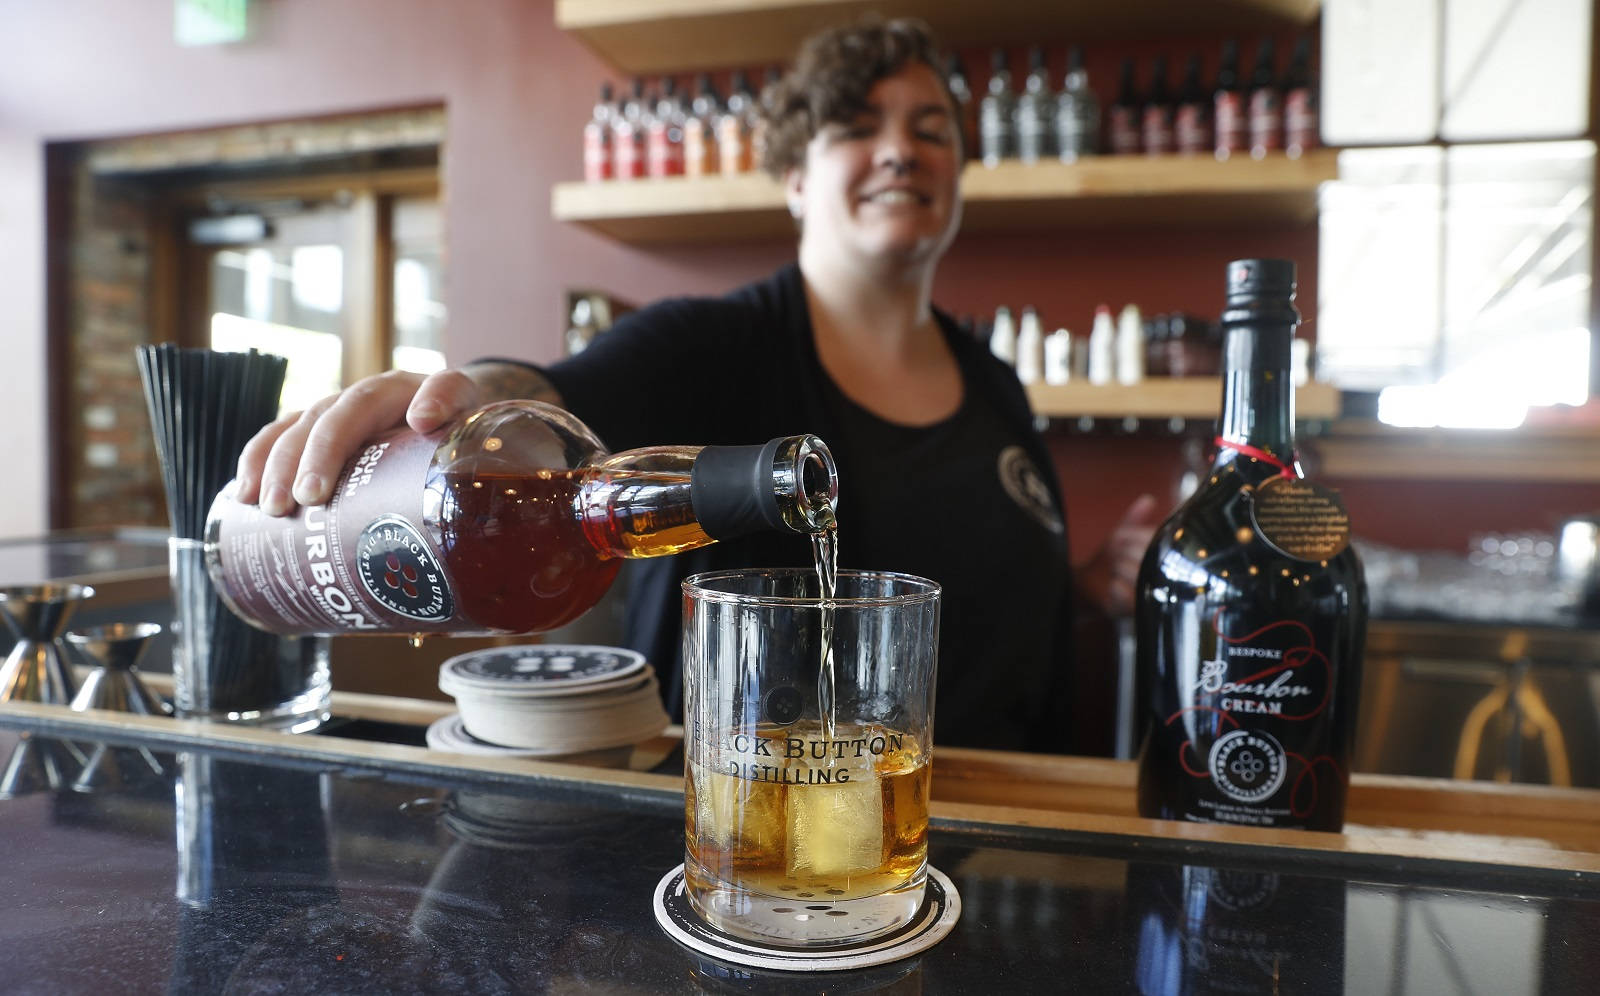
[[548, 700]]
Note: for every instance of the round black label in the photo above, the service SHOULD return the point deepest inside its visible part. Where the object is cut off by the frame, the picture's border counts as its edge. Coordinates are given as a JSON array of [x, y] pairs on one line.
[[399, 570], [1247, 765]]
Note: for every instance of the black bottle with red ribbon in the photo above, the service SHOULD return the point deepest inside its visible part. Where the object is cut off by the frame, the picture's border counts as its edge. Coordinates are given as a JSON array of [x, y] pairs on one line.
[[1251, 607]]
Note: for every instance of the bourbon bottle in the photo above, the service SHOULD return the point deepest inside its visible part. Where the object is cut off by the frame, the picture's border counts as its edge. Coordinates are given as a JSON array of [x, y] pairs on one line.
[[514, 519], [1251, 606]]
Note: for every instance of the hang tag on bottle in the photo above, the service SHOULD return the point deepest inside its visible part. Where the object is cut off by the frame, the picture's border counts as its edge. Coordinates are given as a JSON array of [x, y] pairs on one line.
[[1300, 518]]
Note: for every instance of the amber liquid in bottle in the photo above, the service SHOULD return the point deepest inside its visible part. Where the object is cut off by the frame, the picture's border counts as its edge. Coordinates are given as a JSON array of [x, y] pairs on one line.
[[1249, 658]]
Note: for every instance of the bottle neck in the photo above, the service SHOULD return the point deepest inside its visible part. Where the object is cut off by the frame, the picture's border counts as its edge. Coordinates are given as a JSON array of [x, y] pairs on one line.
[[1257, 389], [660, 500]]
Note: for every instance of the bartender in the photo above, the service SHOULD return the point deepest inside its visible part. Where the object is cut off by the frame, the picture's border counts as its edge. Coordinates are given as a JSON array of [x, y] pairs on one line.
[[941, 471]]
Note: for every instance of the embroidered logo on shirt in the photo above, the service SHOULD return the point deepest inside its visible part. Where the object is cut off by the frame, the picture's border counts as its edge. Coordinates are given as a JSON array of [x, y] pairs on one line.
[[1021, 480]]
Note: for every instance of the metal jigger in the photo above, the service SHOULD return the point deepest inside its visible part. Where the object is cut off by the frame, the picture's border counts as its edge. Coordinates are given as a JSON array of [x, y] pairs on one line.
[[37, 670], [115, 685]]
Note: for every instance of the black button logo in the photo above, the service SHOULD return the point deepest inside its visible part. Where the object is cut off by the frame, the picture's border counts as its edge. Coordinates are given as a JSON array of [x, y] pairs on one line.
[[784, 705], [400, 572]]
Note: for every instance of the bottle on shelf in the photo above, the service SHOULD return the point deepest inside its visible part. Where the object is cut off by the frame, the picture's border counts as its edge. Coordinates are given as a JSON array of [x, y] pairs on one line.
[[1130, 345], [966, 105], [733, 127], [1058, 357], [1251, 606], [597, 161], [628, 134], [1122, 117], [1192, 134], [1003, 337], [1077, 112], [1301, 127], [1102, 347], [1035, 112], [664, 144], [755, 123], [1155, 346], [1156, 116], [514, 519], [1266, 104], [1193, 347], [1030, 348], [700, 129], [1228, 111], [997, 134]]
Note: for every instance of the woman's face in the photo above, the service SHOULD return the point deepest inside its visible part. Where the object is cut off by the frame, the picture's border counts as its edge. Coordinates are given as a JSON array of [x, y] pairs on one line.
[[884, 187]]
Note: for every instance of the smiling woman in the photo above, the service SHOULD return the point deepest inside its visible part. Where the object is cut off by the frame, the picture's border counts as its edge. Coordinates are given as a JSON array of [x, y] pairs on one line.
[[932, 435]]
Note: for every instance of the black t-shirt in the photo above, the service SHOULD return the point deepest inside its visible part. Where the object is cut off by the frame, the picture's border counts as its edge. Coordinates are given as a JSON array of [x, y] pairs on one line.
[[967, 502]]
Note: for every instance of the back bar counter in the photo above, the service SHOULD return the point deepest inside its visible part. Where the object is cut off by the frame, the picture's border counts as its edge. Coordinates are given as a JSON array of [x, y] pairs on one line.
[[353, 861]]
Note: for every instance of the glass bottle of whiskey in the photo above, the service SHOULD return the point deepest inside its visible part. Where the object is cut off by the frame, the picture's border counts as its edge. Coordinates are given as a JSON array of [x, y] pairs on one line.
[[514, 519]]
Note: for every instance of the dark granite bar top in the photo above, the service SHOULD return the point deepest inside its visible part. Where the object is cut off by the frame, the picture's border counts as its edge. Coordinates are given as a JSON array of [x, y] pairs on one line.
[[231, 873]]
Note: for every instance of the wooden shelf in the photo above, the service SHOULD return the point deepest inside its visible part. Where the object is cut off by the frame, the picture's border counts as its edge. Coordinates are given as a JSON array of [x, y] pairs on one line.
[[653, 36], [1104, 191], [1375, 452], [1163, 397]]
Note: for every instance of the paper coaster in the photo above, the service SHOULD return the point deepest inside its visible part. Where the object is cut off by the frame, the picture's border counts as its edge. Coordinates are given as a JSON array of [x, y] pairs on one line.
[[448, 734], [941, 908], [540, 670]]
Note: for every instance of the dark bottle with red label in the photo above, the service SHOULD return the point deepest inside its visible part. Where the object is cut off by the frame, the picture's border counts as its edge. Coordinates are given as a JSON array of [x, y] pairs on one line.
[[1266, 104], [1227, 117], [1192, 129], [1156, 122], [1124, 120], [1251, 606], [514, 519], [1301, 130]]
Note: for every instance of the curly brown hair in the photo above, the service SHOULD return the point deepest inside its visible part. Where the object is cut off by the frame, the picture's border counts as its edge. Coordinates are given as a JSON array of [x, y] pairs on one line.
[[832, 75]]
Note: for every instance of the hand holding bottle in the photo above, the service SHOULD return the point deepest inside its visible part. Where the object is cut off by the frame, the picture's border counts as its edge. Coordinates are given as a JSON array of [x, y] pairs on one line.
[[296, 459]]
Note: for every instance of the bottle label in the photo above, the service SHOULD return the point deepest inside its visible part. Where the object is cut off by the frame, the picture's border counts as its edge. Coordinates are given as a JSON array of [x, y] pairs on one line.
[[733, 144], [628, 148], [1157, 131], [1300, 120], [1266, 119], [666, 150], [699, 148], [1301, 519], [1124, 131], [596, 152], [1230, 124], [1255, 741], [1193, 131], [357, 564]]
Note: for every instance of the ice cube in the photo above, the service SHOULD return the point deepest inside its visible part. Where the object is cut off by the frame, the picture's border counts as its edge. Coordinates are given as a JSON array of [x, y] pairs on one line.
[[835, 827], [736, 814]]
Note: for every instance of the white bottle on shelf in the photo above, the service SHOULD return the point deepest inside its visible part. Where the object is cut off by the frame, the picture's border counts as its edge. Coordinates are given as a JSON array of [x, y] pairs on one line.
[[1130, 345], [1003, 340], [1030, 348], [1102, 347], [1058, 357]]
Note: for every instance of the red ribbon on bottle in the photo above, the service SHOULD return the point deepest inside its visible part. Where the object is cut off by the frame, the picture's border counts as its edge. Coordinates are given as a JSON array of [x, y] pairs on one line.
[[1284, 469]]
